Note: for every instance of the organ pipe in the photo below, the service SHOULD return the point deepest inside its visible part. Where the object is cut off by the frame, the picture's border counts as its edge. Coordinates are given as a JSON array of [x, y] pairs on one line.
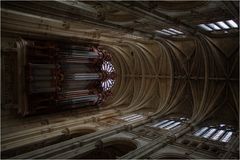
[[61, 75]]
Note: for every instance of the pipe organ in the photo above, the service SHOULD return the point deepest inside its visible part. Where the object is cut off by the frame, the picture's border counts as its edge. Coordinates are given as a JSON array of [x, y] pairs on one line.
[[56, 76]]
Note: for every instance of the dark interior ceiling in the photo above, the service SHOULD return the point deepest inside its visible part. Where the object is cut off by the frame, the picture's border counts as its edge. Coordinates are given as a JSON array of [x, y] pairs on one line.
[[194, 73], [137, 18]]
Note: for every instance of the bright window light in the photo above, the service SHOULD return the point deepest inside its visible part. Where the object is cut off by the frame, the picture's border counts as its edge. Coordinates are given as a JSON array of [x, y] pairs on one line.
[[200, 131], [169, 32], [223, 25], [131, 115], [183, 118], [226, 137], [173, 33], [108, 67], [169, 124], [214, 26], [173, 125], [166, 124], [164, 33], [160, 123], [132, 36], [218, 134], [176, 31], [209, 133], [205, 27], [232, 23], [136, 118]]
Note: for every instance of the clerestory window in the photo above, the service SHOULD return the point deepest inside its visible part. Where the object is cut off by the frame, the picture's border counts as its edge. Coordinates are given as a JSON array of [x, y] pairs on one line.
[[222, 133], [219, 26], [170, 32], [169, 124], [132, 117]]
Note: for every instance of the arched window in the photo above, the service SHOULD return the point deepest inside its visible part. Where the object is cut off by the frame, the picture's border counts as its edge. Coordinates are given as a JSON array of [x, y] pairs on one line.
[[227, 136], [209, 133], [219, 26], [200, 131], [132, 117], [218, 134], [170, 124], [222, 133], [109, 69]]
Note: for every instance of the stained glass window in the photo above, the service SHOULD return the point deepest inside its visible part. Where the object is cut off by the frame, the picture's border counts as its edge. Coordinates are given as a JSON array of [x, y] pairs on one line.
[[227, 137], [222, 132], [169, 124], [209, 133], [218, 26], [160, 123], [201, 131], [173, 125], [132, 117], [166, 124], [108, 68]]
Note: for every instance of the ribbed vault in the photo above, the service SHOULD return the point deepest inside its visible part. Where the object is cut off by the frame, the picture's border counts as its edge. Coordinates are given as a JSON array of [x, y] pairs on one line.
[[191, 73], [195, 77]]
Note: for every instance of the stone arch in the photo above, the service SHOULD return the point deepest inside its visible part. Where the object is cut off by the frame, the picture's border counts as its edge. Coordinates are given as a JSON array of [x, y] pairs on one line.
[[80, 131], [111, 148]]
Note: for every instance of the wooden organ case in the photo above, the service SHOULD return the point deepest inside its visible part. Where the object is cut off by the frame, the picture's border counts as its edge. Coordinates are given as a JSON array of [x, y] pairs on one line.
[[56, 76]]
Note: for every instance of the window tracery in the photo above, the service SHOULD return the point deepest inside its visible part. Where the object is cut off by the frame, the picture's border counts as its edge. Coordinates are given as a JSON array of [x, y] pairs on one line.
[[222, 133], [170, 124], [170, 32], [219, 26], [108, 68], [132, 117]]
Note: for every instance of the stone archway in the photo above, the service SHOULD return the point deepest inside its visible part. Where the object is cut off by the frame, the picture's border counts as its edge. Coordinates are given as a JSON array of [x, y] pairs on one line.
[[110, 150], [81, 132]]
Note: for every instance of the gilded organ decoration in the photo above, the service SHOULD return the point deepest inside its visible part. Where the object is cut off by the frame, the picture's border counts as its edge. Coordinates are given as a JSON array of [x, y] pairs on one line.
[[62, 76]]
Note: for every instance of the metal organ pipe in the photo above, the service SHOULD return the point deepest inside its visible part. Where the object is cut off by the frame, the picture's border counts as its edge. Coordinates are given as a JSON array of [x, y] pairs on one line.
[[42, 66], [78, 54], [84, 76], [87, 98], [61, 76], [77, 85], [76, 68]]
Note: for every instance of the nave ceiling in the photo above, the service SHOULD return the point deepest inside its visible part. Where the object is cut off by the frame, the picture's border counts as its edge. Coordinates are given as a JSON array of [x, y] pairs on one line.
[[163, 75], [194, 74]]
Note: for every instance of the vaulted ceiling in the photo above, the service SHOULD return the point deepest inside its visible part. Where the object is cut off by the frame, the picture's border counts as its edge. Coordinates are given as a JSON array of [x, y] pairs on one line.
[[195, 73], [128, 19]]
